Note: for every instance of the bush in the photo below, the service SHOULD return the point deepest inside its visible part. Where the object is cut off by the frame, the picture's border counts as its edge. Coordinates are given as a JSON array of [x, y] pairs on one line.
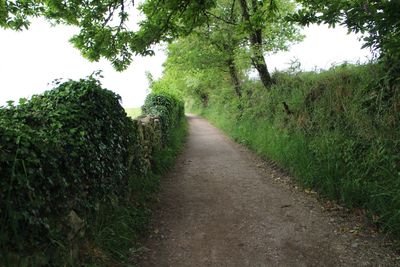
[[71, 149], [64, 150], [169, 108]]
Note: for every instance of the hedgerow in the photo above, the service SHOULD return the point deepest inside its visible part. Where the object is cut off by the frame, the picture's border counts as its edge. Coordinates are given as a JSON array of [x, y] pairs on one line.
[[337, 132], [68, 151], [167, 107]]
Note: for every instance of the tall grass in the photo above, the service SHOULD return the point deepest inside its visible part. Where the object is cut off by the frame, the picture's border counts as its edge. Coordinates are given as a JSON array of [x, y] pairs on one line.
[[340, 136]]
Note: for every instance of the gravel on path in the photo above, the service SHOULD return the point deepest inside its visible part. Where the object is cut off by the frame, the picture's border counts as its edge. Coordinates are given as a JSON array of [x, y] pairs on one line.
[[221, 205]]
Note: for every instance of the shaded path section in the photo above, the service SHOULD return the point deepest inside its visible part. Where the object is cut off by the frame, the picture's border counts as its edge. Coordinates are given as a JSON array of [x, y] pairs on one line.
[[218, 208]]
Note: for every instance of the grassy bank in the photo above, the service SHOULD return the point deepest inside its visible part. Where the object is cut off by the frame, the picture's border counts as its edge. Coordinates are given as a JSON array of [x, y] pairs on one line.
[[337, 132]]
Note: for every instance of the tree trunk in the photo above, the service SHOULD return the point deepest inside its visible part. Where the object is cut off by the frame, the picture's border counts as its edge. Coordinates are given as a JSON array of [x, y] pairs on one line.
[[258, 62], [256, 45], [234, 77]]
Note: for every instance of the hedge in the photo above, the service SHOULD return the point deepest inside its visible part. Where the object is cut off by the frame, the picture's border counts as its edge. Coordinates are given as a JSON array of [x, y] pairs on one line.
[[65, 152], [167, 107]]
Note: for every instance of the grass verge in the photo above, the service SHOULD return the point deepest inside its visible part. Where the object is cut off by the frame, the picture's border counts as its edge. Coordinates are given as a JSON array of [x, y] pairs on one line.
[[338, 134]]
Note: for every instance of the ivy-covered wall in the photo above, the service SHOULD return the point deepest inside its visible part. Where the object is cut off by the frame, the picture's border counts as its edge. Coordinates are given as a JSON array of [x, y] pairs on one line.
[[66, 153]]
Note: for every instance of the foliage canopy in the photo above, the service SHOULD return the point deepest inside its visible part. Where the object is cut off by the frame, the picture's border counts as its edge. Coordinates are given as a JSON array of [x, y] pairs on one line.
[[104, 25], [106, 28], [377, 20]]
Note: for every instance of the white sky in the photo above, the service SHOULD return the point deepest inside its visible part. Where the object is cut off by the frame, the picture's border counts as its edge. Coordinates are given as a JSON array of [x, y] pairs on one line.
[[322, 48], [31, 59]]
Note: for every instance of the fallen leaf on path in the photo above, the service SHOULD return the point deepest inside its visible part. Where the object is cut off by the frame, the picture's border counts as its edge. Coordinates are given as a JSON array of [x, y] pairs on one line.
[[309, 191]]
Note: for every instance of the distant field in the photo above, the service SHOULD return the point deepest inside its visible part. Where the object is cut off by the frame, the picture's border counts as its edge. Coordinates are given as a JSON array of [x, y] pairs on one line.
[[133, 112]]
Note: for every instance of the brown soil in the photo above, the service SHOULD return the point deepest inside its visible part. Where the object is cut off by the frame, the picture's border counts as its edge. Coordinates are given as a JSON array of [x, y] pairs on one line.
[[223, 206]]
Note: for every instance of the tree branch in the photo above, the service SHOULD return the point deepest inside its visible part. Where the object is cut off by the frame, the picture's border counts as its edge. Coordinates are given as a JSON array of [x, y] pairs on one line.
[[221, 19], [110, 15], [232, 9]]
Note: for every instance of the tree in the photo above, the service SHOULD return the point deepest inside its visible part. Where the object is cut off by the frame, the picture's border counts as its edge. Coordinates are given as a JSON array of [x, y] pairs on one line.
[[264, 22], [256, 43], [193, 67], [212, 47], [222, 33], [103, 24], [231, 27], [217, 55], [104, 30], [221, 48]]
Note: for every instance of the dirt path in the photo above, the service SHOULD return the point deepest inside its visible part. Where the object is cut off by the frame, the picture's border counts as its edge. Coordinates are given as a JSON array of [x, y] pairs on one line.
[[223, 206]]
